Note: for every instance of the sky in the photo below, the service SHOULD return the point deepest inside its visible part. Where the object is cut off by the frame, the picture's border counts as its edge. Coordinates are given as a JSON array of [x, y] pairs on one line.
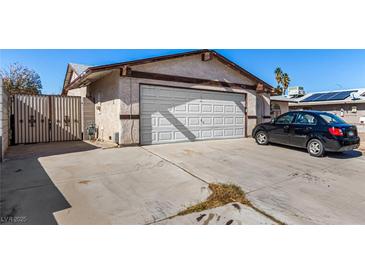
[[315, 70]]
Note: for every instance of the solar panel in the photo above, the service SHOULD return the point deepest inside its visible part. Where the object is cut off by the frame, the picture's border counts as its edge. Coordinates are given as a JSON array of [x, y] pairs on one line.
[[333, 94], [323, 97], [312, 97], [328, 96], [342, 95]]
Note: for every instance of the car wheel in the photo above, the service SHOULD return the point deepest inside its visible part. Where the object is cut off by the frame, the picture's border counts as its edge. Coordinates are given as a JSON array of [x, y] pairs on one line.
[[261, 138], [315, 148]]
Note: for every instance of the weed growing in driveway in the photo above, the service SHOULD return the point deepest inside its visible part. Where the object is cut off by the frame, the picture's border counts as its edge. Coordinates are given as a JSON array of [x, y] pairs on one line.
[[222, 194]]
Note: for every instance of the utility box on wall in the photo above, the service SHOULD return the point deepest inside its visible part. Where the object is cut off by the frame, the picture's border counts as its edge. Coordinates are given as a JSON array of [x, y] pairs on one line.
[[115, 138]]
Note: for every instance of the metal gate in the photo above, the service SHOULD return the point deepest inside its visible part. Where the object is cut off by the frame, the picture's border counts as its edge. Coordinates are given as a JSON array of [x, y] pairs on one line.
[[42, 118]]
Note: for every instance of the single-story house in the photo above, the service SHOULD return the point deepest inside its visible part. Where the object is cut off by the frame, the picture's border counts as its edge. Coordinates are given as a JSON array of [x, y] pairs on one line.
[[348, 104], [189, 96]]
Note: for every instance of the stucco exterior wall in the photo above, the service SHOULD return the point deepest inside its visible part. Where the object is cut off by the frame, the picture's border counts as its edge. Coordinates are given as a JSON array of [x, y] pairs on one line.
[[87, 108], [263, 107], [4, 121], [87, 115], [77, 92], [192, 66], [105, 93]]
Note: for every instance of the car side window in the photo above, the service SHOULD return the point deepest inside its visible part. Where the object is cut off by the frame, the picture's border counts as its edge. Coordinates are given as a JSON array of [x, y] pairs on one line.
[[285, 119], [305, 119]]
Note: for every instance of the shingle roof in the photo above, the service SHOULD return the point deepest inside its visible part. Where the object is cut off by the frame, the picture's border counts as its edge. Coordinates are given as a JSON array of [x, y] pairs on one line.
[[79, 68]]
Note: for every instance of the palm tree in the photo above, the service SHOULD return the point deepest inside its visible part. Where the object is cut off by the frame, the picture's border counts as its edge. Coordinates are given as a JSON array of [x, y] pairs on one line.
[[278, 90], [278, 75], [285, 81]]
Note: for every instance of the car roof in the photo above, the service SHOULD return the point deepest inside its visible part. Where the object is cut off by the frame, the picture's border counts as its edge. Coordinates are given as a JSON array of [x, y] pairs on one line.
[[309, 111]]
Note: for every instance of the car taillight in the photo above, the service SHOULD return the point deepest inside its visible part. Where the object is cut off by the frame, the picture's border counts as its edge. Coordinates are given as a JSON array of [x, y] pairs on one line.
[[335, 131]]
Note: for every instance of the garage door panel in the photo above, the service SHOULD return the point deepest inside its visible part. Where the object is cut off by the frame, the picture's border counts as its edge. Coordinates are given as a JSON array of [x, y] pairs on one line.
[[229, 109], [206, 134], [207, 121], [239, 131], [218, 133], [229, 132], [193, 121], [218, 109], [218, 121], [228, 120], [180, 109], [207, 108], [176, 115], [193, 108], [239, 121]]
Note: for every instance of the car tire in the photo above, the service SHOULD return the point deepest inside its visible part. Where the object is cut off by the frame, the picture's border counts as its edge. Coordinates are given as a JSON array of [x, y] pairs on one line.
[[262, 138], [315, 148]]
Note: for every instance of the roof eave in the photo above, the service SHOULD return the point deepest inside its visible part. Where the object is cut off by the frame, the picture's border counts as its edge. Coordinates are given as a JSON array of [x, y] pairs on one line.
[[267, 87]]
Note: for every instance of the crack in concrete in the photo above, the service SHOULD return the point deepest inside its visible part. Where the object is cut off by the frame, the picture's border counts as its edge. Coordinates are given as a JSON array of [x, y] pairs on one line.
[[174, 164], [272, 218]]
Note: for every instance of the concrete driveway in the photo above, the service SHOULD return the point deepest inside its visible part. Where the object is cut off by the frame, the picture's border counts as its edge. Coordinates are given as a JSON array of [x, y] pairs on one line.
[[76, 183]]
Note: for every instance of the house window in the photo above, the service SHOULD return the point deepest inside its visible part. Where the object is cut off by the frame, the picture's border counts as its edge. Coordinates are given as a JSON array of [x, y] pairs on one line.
[[275, 111]]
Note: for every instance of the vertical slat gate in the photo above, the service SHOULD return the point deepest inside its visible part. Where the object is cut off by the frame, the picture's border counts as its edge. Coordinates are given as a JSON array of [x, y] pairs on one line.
[[39, 118], [66, 124]]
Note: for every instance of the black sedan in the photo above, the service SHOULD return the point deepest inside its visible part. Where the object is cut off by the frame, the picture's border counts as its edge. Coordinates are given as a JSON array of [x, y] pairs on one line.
[[315, 130]]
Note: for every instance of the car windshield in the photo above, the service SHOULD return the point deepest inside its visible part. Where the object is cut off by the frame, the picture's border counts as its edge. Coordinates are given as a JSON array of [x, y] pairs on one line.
[[332, 118]]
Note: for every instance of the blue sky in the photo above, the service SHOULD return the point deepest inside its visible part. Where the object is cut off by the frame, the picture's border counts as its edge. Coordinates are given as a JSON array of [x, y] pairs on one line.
[[315, 70]]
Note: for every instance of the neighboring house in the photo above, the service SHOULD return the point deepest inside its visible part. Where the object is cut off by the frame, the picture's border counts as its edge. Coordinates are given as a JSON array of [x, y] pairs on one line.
[[190, 96], [347, 104], [279, 104]]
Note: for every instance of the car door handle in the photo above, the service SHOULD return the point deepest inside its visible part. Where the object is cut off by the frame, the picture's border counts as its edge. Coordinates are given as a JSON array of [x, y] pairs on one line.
[[286, 127]]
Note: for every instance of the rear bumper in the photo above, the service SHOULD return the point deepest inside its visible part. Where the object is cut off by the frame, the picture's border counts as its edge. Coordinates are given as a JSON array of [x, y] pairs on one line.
[[342, 144]]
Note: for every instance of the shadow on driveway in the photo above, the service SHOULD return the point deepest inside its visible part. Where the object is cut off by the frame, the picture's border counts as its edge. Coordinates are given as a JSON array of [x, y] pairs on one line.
[[28, 195]]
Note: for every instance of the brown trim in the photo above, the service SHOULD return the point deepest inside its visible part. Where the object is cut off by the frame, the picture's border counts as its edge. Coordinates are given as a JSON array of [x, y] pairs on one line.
[[190, 88], [125, 71], [220, 57], [266, 117], [251, 116], [129, 116], [148, 60], [183, 79], [206, 56]]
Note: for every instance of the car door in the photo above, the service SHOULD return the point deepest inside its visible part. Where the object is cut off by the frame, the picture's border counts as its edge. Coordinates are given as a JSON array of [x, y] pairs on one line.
[[280, 132], [302, 126]]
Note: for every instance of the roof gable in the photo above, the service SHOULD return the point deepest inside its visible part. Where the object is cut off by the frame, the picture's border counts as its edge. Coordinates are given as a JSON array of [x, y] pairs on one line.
[[192, 66], [73, 71], [216, 57]]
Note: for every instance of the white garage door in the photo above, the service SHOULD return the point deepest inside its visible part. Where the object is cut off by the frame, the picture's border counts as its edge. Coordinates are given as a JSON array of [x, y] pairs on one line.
[[175, 115]]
